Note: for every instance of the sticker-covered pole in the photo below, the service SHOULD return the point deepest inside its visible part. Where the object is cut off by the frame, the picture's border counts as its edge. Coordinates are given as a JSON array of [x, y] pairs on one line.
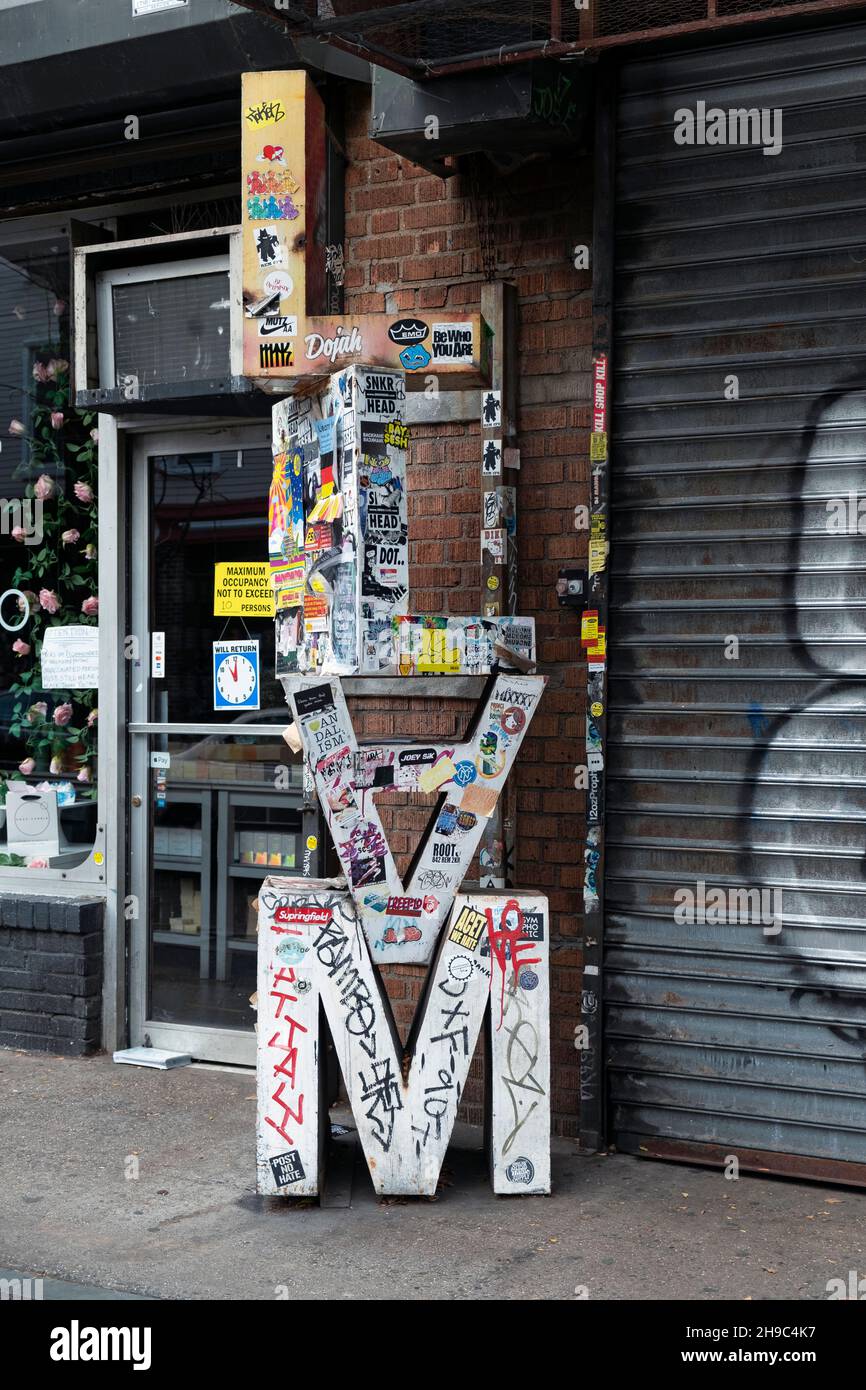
[[594, 627], [500, 462]]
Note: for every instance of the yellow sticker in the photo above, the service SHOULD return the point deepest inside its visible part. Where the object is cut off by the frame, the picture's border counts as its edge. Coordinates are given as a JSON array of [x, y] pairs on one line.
[[598, 447], [597, 556], [312, 842], [433, 777], [436, 656], [99, 857], [493, 581], [596, 709], [242, 591]]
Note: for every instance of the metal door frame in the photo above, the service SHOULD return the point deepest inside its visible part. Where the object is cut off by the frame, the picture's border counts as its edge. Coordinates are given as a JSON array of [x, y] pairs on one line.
[[207, 1043]]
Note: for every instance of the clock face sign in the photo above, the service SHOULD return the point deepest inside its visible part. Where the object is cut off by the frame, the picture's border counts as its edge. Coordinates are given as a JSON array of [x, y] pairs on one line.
[[236, 675]]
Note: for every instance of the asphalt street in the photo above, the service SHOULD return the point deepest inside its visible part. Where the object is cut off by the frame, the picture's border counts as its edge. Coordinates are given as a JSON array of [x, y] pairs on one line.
[[143, 1182]]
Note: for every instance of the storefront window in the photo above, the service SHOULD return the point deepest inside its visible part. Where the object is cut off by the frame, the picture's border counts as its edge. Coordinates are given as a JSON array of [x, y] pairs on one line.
[[48, 572]]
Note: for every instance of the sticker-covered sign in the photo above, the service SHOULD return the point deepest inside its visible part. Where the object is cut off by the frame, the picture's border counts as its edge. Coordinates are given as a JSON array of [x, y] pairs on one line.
[[342, 777], [491, 971], [289, 273]]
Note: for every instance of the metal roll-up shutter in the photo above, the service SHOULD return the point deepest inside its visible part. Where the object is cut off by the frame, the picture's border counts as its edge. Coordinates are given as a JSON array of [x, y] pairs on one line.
[[739, 415]]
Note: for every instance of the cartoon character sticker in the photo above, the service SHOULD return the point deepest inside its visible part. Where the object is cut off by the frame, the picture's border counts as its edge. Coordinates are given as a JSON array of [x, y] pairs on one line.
[[269, 249], [414, 357]]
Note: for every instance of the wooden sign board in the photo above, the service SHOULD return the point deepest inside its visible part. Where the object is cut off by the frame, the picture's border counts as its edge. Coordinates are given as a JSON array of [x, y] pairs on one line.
[[287, 334]]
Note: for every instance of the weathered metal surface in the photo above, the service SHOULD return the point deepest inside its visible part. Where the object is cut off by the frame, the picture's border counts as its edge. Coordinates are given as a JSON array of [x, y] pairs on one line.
[[750, 1160], [740, 765]]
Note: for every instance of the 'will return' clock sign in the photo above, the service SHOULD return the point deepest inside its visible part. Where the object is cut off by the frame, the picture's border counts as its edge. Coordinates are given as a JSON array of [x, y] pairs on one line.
[[236, 675]]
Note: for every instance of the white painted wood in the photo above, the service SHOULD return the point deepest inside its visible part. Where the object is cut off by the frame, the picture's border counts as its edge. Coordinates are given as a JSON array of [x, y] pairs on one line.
[[404, 1123], [402, 922], [288, 1150], [520, 1042]]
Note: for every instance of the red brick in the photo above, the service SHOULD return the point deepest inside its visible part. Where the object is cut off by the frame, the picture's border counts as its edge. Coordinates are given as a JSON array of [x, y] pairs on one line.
[[418, 233]]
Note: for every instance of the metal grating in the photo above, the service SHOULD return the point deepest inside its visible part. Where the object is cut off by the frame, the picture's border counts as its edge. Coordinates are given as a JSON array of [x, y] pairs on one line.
[[428, 38], [748, 772]]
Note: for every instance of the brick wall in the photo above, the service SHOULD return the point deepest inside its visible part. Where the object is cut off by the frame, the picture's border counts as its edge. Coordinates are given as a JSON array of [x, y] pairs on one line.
[[414, 243], [51, 973]]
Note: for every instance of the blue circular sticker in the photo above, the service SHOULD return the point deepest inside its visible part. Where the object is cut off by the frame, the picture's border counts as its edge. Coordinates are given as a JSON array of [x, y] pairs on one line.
[[464, 773], [528, 979]]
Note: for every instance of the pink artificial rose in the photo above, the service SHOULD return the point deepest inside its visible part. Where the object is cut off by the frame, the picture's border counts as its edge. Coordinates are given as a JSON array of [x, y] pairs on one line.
[[90, 606], [40, 372], [84, 775], [92, 718], [94, 435], [18, 533], [43, 488], [28, 602], [63, 714], [59, 308], [71, 537], [57, 418], [21, 648], [55, 767], [90, 552], [57, 366], [37, 712], [27, 767], [16, 427], [84, 492], [38, 864], [49, 601]]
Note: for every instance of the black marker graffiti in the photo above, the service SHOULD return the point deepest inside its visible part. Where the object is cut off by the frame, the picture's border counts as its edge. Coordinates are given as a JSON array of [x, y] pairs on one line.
[[383, 1093], [521, 1056]]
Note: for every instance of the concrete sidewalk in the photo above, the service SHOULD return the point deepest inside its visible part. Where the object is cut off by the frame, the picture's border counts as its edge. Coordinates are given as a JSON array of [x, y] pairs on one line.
[[191, 1226]]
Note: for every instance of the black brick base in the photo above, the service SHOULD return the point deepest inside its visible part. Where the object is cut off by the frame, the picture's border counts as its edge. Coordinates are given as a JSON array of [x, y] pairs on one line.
[[51, 973]]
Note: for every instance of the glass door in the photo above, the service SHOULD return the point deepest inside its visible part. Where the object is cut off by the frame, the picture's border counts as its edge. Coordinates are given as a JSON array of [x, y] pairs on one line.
[[215, 794]]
